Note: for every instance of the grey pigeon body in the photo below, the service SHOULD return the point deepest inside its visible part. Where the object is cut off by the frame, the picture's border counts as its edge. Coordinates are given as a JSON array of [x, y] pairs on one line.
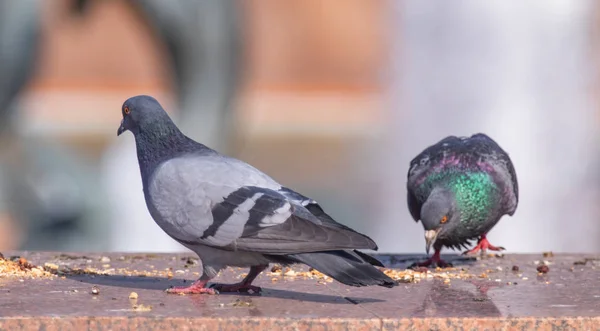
[[232, 214], [459, 189]]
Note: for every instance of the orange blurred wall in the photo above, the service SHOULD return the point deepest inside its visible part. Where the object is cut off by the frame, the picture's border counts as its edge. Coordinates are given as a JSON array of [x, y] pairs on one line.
[[313, 63]]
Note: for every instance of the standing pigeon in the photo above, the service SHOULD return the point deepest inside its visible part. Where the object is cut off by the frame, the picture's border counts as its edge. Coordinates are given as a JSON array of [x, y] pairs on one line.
[[231, 214], [460, 188]]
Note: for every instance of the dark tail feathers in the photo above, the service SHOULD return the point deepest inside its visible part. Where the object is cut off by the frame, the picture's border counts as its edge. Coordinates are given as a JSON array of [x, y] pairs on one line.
[[369, 258], [347, 267]]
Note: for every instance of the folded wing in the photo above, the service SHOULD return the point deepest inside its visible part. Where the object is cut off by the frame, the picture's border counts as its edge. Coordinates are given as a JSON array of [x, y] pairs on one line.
[[270, 220]]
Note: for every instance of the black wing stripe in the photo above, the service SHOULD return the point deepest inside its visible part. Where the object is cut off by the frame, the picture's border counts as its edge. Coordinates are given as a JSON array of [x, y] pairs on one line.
[[222, 211]]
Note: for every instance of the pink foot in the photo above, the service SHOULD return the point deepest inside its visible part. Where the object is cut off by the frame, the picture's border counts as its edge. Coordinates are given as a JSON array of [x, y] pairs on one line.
[[199, 287], [434, 260], [238, 287], [483, 244]]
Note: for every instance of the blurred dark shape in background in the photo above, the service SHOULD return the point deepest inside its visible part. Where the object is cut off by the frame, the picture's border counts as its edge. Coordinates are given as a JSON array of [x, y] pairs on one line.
[[20, 31], [49, 189], [204, 47], [52, 193]]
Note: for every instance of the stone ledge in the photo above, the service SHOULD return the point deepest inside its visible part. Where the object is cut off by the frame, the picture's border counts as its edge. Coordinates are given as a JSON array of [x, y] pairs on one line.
[[257, 323], [477, 294]]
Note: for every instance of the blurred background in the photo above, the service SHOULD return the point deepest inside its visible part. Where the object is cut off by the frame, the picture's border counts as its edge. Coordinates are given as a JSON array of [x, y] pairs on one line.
[[332, 98]]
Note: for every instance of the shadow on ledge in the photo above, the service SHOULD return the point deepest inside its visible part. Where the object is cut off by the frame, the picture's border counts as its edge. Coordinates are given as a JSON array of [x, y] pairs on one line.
[[403, 261], [161, 284]]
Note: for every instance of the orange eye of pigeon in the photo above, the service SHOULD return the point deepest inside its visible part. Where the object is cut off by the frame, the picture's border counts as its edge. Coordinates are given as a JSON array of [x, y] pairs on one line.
[[126, 110], [444, 219]]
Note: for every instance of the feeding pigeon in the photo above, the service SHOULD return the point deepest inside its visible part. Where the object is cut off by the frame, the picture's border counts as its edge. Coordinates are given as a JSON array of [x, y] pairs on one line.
[[231, 214], [460, 188]]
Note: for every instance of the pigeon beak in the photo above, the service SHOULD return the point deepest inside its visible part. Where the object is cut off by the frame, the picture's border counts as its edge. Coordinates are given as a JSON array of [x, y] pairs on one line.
[[121, 128], [430, 236]]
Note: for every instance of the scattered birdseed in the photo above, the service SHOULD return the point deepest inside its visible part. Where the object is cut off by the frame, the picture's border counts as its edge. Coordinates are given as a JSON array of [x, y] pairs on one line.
[[421, 269], [543, 269], [19, 267], [190, 262], [548, 254], [95, 290], [51, 266], [414, 276], [105, 259], [241, 303], [142, 307], [133, 295]]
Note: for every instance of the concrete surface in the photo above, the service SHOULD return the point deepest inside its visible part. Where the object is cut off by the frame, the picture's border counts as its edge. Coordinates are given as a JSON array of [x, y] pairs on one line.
[[490, 295]]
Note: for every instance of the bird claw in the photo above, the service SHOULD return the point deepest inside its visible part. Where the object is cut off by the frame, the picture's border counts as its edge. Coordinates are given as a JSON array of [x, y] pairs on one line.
[[473, 251], [482, 246], [469, 252], [433, 260], [192, 289], [188, 290], [240, 287]]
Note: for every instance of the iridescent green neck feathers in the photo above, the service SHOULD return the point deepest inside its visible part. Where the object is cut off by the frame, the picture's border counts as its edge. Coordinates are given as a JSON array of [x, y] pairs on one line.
[[473, 191]]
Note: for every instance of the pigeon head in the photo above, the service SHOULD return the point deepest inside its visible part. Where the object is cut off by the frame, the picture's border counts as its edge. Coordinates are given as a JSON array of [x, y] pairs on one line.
[[143, 113], [439, 215]]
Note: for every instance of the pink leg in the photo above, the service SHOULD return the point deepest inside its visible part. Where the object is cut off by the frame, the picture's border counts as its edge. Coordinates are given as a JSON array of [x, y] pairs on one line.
[[245, 285], [483, 244], [434, 260], [198, 287]]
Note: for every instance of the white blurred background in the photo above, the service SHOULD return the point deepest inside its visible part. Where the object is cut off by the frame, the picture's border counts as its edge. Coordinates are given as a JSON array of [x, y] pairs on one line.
[[330, 98]]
